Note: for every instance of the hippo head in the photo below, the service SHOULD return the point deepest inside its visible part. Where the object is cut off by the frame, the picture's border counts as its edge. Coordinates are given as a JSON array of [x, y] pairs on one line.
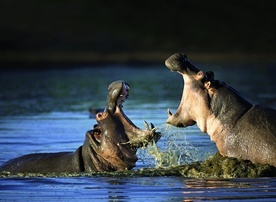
[[195, 98], [113, 142]]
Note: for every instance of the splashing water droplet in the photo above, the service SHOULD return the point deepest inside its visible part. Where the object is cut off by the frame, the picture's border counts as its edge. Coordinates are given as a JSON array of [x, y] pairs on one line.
[[173, 149]]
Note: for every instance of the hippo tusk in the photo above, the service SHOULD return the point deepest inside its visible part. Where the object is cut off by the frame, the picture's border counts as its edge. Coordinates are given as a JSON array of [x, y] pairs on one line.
[[124, 143], [146, 125], [169, 112], [152, 126]]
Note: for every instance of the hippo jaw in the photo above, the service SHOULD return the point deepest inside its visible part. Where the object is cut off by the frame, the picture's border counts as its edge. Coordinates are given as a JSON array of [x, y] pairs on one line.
[[179, 119], [193, 79], [115, 139], [118, 93]]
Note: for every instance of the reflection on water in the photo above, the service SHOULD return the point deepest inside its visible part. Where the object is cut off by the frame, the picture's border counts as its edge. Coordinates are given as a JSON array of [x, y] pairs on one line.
[[137, 189], [47, 111]]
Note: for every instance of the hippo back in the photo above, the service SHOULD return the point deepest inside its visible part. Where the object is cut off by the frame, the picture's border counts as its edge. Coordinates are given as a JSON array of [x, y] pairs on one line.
[[227, 104], [246, 131]]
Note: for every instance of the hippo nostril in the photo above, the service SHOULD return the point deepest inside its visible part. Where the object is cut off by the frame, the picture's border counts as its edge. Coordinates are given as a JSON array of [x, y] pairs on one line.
[[101, 116]]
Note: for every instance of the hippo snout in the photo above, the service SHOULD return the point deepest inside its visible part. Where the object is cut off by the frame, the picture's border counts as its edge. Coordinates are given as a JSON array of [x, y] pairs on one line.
[[176, 62], [180, 62]]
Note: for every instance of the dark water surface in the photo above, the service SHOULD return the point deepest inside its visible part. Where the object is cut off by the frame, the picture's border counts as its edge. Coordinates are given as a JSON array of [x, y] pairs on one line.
[[47, 111]]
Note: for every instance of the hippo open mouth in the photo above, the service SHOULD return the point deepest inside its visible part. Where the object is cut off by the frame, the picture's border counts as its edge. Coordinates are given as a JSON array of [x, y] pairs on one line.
[[115, 139], [118, 93], [181, 64]]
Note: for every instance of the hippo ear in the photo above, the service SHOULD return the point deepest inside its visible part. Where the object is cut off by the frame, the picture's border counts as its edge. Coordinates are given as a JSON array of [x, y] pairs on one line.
[[208, 86], [200, 75]]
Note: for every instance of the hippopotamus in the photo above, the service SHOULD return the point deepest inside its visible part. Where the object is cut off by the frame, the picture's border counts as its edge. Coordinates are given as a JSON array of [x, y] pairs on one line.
[[110, 146], [239, 128]]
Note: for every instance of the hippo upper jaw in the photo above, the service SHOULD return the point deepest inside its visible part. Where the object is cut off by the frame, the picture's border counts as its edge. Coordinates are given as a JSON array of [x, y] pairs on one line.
[[180, 63]]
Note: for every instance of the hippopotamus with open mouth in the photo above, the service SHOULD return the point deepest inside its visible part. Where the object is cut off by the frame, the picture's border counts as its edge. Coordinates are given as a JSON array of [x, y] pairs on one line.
[[110, 146], [239, 128]]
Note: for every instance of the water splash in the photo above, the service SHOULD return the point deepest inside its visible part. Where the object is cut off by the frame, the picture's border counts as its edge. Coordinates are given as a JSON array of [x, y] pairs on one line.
[[173, 149]]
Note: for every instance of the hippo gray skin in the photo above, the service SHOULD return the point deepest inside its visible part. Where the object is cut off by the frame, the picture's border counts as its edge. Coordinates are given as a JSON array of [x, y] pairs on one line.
[[239, 128], [110, 146]]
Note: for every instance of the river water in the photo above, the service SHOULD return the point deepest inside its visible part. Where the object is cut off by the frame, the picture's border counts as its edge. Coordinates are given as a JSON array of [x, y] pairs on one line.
[[47, 111]]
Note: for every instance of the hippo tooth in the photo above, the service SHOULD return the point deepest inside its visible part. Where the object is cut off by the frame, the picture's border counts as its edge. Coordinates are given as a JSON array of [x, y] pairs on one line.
[[123, 143], [169, 112]]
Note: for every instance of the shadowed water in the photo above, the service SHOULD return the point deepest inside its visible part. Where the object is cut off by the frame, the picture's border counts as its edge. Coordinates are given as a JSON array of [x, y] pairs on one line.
[[47, 111]]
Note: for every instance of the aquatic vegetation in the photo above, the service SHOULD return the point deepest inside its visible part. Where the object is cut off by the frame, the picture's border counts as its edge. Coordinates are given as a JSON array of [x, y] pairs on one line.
[[218, 166], [213, 167]]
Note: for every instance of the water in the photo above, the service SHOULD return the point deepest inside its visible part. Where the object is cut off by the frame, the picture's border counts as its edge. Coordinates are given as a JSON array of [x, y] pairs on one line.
[[47, 111]]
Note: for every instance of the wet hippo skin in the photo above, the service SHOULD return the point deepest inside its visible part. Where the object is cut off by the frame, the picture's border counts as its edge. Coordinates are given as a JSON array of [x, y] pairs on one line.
[[239, 128], [111, 145]]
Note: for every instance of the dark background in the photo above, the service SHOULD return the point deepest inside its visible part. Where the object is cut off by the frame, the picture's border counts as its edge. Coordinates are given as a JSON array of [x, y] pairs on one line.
[[69, 31]]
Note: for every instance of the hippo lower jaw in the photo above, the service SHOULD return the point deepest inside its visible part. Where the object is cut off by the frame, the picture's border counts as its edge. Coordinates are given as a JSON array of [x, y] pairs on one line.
[[177, 120], [137, 137], [173, 120]]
